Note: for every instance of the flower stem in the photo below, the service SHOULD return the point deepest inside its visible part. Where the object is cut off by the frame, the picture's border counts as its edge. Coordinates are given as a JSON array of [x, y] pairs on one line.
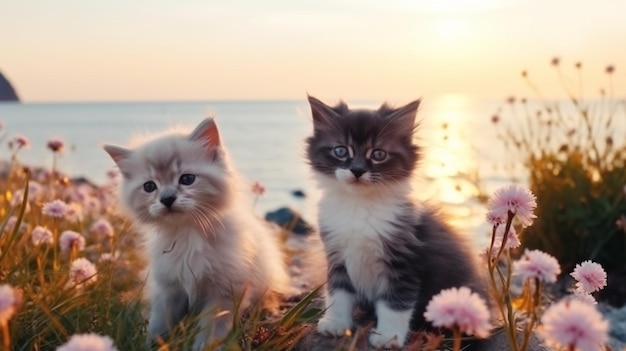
[[55, 250], [457, 339], [73, 252], [503, 294], [536, 301], [6, 336]]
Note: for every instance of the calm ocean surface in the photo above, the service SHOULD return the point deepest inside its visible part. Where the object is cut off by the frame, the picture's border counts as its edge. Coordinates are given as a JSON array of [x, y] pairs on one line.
[[265, 140]]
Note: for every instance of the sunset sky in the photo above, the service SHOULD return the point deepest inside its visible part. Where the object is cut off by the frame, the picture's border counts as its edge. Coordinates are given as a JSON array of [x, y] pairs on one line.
[[119, 50]]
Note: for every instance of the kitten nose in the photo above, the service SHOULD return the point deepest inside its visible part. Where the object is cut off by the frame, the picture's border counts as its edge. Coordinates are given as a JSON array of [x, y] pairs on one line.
[[358, 172], [168, 200]]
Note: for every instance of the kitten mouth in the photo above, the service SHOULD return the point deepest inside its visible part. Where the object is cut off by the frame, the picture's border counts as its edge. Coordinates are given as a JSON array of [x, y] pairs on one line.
[[169, 212], [358, 182]]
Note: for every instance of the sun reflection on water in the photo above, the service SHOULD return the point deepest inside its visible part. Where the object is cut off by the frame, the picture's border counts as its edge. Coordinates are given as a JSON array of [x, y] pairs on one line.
[[447, 174]]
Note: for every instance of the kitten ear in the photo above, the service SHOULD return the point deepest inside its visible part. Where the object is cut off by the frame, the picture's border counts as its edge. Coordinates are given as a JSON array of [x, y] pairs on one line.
[[117, 153], [207, 132], [406, 114], [323, 115]]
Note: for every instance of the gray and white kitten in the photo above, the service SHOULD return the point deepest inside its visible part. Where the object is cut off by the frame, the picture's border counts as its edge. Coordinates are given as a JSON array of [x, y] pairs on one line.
[[385, 251], [205, 247]]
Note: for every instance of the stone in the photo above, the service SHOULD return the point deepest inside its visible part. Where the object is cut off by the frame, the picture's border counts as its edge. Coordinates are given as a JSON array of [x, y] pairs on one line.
[[617, 321], [289, 219], [298, 193]]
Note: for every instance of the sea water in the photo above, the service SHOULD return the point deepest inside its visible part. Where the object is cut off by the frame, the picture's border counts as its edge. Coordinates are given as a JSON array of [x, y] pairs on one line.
[[266, 142]]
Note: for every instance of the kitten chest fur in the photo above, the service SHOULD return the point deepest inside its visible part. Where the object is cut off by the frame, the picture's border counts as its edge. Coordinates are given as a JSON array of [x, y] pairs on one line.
[[356, 227], [188, 258]]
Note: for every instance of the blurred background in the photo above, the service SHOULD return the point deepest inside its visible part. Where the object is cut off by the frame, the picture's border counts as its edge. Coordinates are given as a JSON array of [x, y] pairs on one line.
[[94, 72]]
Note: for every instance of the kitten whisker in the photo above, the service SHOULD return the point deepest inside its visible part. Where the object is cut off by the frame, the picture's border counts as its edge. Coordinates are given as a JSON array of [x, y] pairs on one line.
[[199, 220], [204, 222], [213, 213]]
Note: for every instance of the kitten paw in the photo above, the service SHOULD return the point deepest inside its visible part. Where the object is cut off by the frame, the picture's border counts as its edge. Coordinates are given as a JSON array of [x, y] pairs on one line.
[[333, 327], [198, 345], [386, 340]]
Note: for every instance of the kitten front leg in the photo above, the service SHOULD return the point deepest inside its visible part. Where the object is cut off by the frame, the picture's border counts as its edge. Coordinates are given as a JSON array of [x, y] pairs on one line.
[[339, 303], [214, 321], [169, 305], [392, 326], [338, 316]]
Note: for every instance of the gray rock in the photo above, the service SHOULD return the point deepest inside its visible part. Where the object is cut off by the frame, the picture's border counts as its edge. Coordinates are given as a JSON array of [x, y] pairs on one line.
[[289, 219], [617, 321], [298, 193], [316, 342], [7, 92], [499, 342]]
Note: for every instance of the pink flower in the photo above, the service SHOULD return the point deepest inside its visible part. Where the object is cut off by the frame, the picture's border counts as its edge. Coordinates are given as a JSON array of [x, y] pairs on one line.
[[34, 190], [590, 277], [56, 145], [80, 193], [70, 239], [74, 212], [584, 297], [113, 174], [93, 205], [102, 228], [516, 199], [9, 302], [537, 264], [574, 325], [12, 222], [41, 235], [258, 189], [16, 201], [56, 209], [459, 308], [88, 342], [19, 142], [82, 272], [495, 219], [512, 240]]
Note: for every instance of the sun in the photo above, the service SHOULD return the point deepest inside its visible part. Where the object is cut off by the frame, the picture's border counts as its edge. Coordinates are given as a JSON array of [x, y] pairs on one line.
[[451, 28]]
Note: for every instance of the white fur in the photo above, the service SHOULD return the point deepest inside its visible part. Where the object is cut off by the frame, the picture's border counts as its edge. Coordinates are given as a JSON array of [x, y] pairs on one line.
[[241, 254], [346, 176], [338, 316], [392, 326], [355, 218]]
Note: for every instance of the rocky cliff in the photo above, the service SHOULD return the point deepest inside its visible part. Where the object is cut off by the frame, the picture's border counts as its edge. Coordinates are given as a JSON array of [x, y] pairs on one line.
[[7, 93]]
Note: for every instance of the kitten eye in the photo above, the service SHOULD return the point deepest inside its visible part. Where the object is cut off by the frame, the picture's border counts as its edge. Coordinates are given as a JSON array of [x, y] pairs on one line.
[[187, 179], [379, 155], [149, 186], [340, 151]]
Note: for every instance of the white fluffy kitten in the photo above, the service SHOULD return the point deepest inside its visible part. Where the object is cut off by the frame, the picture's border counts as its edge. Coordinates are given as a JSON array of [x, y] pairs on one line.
[[205, 247]]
